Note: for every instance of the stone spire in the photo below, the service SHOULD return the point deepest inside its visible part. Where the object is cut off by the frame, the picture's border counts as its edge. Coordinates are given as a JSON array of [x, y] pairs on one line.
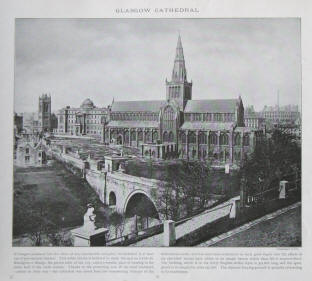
[[179, 71]]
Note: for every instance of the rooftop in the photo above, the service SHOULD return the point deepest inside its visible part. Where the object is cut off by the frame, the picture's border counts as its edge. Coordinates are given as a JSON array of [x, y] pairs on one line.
[[87, 103], [138, 106], [133, 124], [214, 126], [211, 106]]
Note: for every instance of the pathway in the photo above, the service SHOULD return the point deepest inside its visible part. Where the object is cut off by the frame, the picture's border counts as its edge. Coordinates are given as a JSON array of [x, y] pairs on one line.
[[196, 222]]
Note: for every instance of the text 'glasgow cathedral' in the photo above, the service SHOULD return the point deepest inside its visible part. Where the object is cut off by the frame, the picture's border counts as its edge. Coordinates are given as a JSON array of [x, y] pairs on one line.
[[178, 127]]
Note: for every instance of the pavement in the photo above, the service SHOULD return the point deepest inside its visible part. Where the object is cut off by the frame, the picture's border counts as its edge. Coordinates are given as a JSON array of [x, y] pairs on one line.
[[196, 222]]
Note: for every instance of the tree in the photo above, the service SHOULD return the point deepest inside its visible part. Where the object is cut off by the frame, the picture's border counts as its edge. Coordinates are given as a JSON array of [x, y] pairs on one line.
[[196, 183], [275, 158], [118, 222], [143, 210], [170, 199], [40, 224], [184, 190], [60, 238]]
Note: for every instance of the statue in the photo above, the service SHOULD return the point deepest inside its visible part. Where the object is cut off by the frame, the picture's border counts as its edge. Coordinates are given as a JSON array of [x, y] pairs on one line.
[[89, 218]]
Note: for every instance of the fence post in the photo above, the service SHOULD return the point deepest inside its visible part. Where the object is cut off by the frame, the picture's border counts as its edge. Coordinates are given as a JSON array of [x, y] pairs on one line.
[[283, 188], [169, 233], [233, 212]]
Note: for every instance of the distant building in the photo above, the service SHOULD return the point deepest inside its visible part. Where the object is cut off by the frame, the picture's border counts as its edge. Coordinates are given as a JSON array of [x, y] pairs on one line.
[[40, 121], [30, 122], [288, 114], [53, 122], [44, 114], [84, 120], [29, 153], [18, 123], [254, 120]]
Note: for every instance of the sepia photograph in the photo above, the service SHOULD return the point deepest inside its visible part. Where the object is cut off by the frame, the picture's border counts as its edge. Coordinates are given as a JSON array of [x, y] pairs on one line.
[[157, 132]]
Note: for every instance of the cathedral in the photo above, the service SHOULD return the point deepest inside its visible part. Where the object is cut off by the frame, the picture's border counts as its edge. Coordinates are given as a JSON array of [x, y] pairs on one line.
[[177, 127], [180, 127]]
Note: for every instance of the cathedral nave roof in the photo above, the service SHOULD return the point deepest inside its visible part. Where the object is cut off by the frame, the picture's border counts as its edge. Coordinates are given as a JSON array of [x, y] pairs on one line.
[[138, 106], [212, 126], [133, 124], [211, 106]]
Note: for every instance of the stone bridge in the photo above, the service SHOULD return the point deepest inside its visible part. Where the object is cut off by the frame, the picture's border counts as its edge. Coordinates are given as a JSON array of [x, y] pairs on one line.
[[122, 190], [112, 185]]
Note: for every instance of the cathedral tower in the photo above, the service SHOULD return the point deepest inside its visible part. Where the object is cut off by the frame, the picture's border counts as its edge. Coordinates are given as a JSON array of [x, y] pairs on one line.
[[44, 113], [178, 89]]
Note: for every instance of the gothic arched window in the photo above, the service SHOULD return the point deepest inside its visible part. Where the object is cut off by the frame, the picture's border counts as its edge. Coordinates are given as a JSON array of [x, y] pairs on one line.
[[165, 137], [183, 138], [246, 140], [213, 138], [148, 137], [155, 136], [168, 118], [192, 137], [171, 137], [224, 139], [237, 139], [202, 138], [140, 136]]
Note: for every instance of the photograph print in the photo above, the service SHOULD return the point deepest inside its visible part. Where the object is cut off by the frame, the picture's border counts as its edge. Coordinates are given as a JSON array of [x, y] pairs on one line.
[[157, 132]]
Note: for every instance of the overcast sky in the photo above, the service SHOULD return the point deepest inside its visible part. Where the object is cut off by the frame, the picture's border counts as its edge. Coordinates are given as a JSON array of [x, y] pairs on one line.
[[129, 59]]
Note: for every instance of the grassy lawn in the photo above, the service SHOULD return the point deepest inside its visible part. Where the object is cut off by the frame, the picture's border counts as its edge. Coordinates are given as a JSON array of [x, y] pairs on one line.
[[52, 192], [281, 231]]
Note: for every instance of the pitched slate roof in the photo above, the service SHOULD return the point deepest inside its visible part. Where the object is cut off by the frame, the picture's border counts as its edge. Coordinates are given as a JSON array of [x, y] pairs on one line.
[[133, 124], [211, 106], [213, 126], [138, 106]]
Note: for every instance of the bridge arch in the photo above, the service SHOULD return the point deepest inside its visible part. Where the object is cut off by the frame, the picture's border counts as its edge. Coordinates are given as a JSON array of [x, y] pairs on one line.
[[112, 199], [139, 200]]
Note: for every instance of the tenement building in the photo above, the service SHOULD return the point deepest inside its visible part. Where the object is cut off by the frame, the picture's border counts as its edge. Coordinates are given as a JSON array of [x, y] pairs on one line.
[[254, 120], [85, 120], [288, 114], [179, 126]]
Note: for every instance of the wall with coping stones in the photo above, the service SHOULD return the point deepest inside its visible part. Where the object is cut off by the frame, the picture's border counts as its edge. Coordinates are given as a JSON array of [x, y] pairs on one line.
[[96, 179], [73, 160]]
